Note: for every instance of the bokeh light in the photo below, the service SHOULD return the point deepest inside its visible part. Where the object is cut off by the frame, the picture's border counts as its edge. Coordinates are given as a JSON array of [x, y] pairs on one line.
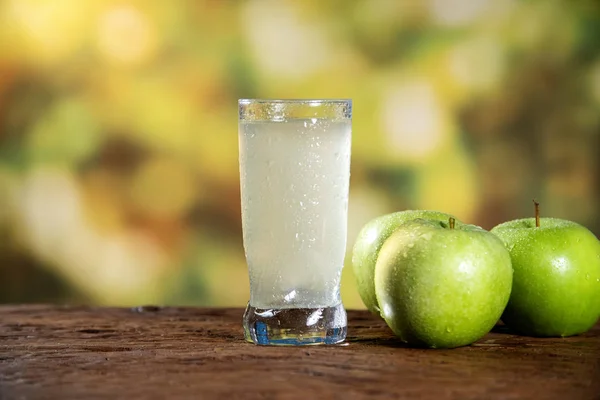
[[119, 177]]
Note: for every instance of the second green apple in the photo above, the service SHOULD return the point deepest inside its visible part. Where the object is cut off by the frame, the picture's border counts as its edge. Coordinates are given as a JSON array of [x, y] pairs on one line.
[[440, 285]]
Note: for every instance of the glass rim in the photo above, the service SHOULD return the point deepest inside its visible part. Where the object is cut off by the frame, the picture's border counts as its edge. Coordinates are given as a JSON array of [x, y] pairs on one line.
[[294, 101]]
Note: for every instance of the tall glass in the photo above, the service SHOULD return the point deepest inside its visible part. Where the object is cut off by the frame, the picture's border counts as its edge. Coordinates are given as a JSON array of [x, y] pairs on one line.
[[295, 173]]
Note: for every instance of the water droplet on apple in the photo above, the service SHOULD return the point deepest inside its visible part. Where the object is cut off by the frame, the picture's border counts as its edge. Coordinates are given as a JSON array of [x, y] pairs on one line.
[[448, 329], [587, 277], [426, 236]]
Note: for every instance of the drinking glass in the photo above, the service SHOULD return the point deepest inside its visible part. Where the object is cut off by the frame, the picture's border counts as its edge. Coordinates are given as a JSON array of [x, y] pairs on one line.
[[294, 158]]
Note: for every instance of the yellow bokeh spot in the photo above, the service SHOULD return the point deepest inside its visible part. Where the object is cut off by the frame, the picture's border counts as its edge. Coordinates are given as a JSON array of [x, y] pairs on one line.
[[45, 31], [163, 188], [228, 282], [283, 44], [125, 35], [457, 12], [449, 184], [415, 121], [477, 64], [350, 297]]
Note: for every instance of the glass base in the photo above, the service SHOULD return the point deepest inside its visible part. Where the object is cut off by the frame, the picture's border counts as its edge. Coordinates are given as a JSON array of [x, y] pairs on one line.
[[295, 326]]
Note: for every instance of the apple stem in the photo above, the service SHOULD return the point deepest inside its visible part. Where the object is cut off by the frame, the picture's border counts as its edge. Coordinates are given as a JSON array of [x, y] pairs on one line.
[[537, 213], [451, 222]]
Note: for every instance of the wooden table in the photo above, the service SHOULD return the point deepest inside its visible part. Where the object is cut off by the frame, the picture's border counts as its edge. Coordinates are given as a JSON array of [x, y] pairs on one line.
[[151, 352]]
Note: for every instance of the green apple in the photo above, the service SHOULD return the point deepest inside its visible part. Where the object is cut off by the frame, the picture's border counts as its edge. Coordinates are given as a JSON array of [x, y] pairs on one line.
[[441, 286], [368, 243], [556, 287]]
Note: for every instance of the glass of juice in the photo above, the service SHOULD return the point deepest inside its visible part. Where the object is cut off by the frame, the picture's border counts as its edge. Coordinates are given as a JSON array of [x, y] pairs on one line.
[[294, 158]]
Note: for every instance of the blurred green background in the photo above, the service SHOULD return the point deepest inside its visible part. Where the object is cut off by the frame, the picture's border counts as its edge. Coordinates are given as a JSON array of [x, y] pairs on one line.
[[118, 128]]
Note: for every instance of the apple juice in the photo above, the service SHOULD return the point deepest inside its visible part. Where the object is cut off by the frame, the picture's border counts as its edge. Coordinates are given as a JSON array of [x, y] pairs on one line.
[[294, 186]]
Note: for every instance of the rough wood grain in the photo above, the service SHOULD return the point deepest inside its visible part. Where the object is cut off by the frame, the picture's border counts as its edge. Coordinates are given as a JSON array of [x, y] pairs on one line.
[[77, 352]]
